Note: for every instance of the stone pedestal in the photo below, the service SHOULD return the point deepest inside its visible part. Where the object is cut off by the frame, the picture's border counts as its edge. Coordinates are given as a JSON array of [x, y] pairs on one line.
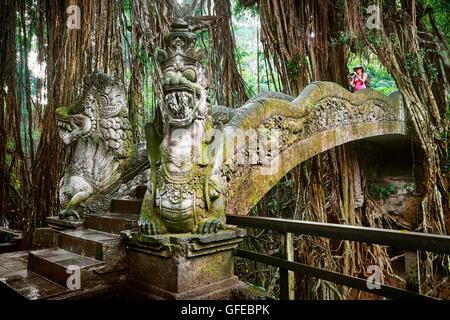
[[184, 266]]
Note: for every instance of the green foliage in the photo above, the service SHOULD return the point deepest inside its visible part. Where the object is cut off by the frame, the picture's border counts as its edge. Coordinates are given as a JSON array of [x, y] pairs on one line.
[[248, 53], [282, 202], [413, 64], [343, 38], [374, 37], [395, 41], [273, 204], [140, 53], [383, 192], [441, 10], [255, 286], [240, 11], [408, 184], [294, 67], [252, 286], [14, 178]]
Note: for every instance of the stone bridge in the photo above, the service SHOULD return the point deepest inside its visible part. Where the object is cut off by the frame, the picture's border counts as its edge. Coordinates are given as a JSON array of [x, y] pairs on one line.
[[323, 116]]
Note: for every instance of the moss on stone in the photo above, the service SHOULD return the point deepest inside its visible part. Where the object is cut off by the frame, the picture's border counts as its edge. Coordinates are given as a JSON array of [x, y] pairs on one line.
[[63, 112]]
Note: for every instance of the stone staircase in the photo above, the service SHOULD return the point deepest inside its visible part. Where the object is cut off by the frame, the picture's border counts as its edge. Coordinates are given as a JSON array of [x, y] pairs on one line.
[[94, 246], [123, 215], [53, 264]]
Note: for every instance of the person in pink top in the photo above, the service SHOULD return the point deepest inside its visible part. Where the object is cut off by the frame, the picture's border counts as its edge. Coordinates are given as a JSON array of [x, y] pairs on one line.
[[359, 79]]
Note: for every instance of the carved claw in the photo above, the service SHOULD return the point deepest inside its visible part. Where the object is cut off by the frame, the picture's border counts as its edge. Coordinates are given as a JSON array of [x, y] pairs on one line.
[[149, 226], [211, 226], [69, 214], [68, 138]]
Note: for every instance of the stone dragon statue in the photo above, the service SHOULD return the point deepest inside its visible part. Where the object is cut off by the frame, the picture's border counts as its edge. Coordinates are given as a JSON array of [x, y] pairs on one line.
[[98, 129], [184, 193]]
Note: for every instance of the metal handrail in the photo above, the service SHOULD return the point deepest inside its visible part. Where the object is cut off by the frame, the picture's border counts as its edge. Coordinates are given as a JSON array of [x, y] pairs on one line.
[[399, 239], [336, 277]]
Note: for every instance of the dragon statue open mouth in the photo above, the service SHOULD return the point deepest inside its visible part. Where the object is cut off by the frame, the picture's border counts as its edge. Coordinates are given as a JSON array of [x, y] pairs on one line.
[[181, 105]]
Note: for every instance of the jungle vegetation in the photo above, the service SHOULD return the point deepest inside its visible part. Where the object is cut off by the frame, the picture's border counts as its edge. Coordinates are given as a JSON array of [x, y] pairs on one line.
[[251, 46]]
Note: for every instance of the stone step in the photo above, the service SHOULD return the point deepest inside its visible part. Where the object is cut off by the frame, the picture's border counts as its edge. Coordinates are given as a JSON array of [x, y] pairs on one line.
[[126, 206], [111, 222], [60, 224], [53, 264], [17, 282], [29, 285], [8, 247], [90, 243]]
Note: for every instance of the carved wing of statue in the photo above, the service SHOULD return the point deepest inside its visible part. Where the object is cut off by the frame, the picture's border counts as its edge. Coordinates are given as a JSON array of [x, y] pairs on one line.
[[98, 129]]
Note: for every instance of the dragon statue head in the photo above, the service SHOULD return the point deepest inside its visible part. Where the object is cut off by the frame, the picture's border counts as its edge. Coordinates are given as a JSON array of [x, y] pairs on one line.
[[183, 77], [101, 112]]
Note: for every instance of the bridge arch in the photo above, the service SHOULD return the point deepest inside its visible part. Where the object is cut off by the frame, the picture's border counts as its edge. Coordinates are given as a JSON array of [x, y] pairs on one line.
[[324, 116]]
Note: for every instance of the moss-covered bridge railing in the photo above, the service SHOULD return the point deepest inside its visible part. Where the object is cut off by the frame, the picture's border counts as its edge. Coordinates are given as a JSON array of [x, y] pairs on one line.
[[323, 116]]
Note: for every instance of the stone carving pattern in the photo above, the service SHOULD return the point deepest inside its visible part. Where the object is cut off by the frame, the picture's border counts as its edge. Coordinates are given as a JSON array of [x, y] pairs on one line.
[[98, 130], [328, 113]]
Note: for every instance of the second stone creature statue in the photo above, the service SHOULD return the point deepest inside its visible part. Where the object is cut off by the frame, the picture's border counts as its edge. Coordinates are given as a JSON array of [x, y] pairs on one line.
[[98, 130], [185, 192]]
